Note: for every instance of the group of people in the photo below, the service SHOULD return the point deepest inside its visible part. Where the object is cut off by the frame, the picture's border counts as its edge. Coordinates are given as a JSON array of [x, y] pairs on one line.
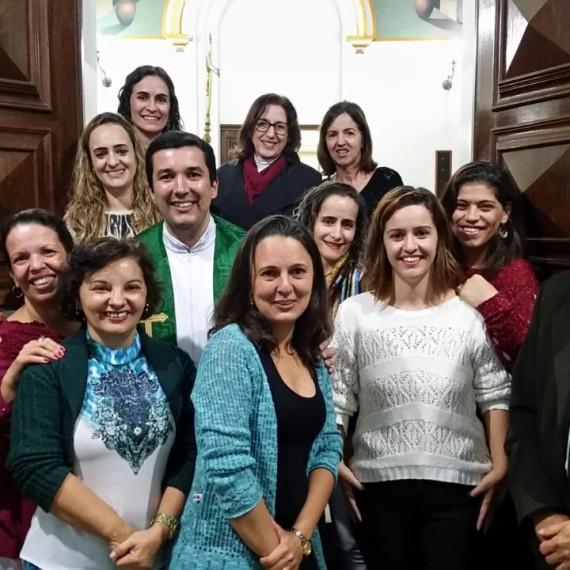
[[199, 354]]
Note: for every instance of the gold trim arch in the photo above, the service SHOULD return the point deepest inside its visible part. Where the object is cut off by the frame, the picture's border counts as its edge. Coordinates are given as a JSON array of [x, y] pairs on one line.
[[365, 25], [171, 28]]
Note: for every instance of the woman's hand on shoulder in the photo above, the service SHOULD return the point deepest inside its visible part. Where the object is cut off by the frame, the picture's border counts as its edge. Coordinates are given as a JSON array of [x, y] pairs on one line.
[[39, 351], [139, 550], [287, 555], [476, 290]]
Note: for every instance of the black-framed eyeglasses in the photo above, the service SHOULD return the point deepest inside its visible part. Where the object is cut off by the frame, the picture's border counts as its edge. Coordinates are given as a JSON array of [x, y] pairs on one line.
[[262, 126]]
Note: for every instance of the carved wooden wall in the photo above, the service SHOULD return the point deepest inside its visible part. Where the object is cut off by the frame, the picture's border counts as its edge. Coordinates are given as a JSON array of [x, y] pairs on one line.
[[523, 113], [40, 103]]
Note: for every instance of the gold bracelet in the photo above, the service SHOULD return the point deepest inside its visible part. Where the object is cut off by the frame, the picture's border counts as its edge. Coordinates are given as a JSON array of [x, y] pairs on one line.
[[170, 522], [305, 542]]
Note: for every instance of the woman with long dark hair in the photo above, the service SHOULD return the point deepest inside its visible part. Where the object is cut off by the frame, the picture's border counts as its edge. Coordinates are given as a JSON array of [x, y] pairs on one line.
[[148, 101], [268, 447]]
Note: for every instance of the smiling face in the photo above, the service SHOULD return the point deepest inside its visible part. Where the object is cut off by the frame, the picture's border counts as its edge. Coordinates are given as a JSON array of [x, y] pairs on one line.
[[344, 141], [334, 228], [112, 158], [150, 106], [477, 216], [282, 276], [182, 190], [36, 258], [410, 239], [113, 301], [269, 144]]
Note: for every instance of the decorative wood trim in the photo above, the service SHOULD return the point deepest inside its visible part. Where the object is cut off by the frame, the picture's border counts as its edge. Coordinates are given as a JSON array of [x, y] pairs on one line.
[[32, 95]]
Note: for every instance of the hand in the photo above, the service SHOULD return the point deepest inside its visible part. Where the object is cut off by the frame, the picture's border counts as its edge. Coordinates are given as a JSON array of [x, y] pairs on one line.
[[544, 521], [38, 351], [287, 555], [349, 483], [555, 546], [493, 489], [140, 548], [328, 354], [476, 290]]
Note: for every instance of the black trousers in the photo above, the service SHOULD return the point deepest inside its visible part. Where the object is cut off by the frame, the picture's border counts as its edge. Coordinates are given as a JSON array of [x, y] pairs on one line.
[[412, 524]]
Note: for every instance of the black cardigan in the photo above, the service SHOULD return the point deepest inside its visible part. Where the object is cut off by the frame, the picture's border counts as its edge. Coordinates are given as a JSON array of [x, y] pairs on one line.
[[279, 197], [49, 400]]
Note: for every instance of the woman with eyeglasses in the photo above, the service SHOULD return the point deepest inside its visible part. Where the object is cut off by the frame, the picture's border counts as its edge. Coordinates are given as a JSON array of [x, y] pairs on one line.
[[267, 177]]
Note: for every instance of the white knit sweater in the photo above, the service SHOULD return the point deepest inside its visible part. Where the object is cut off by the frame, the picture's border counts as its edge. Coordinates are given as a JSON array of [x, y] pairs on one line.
[[415, 378]]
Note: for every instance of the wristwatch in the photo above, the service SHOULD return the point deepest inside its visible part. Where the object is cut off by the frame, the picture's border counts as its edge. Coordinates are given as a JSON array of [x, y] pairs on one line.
[[305, 542], [167, 520]]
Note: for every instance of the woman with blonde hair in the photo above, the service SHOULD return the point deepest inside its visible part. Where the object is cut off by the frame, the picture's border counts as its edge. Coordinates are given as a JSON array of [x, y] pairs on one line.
[[109, 194]]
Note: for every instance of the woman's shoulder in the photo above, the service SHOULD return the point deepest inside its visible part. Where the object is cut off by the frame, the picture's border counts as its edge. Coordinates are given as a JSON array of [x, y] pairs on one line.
[[387, 177], [14, 332], [519, 268], [305, 171], [358, 306], [230, 338], [229, 166]]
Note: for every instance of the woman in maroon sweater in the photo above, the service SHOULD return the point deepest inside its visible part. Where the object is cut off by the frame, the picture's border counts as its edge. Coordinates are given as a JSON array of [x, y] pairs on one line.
[[482, 202], [35, 245]]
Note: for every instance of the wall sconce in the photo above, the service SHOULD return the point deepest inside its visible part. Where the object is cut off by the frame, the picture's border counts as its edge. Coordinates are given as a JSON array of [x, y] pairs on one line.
[[447, 83], [105, 80]]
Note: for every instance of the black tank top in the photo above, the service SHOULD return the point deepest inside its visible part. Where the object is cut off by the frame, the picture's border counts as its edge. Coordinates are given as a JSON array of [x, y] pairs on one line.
[[299, 422]]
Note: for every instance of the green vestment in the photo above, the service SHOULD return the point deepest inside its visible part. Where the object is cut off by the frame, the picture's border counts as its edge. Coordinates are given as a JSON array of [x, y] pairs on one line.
[[162, 324]]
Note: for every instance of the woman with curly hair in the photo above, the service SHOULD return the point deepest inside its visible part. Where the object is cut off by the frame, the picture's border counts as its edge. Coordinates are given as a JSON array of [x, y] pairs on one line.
[[109, 194], [149, 102]]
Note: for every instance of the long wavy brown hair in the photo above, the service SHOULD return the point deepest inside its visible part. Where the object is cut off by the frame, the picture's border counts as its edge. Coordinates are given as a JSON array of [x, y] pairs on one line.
[[85, 212]]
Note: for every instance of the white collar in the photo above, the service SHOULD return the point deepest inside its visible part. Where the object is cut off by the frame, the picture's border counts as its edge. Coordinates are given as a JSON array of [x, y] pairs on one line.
[[174, 245], [262, 163]]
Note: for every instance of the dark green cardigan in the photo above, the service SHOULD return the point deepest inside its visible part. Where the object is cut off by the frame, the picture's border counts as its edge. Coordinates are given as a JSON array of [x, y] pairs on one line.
[[50, 398]]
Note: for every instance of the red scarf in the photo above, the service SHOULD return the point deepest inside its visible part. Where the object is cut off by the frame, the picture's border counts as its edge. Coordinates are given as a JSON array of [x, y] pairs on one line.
[[254, 182]]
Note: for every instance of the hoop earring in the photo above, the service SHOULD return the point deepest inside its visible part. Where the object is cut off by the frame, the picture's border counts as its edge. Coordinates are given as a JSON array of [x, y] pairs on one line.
[[17, 293], [503, 231]]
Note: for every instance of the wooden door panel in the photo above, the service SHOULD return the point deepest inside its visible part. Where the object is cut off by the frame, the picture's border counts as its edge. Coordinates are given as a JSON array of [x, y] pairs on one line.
[[523, 113], [24, 55], [40, 104]]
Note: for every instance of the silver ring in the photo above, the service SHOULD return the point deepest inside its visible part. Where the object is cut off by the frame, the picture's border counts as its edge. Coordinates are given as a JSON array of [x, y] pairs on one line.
[[43, 337]]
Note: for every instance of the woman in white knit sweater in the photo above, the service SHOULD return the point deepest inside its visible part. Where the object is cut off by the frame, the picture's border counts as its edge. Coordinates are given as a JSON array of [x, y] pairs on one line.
[[415, 362]]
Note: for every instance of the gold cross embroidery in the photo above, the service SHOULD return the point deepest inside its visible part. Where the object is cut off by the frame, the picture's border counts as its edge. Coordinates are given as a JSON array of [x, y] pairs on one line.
[[158, 318]]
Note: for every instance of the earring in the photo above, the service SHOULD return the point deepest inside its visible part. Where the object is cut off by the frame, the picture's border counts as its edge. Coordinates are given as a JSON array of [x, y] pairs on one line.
[[146, 311], [78, 311], [251, 303], [17, 293], [503, 231]]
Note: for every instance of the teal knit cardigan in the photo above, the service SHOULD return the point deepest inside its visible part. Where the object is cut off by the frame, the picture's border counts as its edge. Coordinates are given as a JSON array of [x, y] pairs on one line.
[[236, 433]]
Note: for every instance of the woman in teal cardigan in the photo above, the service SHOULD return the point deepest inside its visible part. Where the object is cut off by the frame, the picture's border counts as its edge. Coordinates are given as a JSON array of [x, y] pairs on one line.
[[268, 447], [102, 438]]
